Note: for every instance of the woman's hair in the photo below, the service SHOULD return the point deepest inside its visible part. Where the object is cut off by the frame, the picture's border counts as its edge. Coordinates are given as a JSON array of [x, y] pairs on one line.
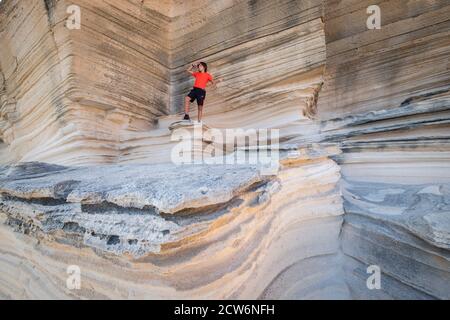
[[204, 66]]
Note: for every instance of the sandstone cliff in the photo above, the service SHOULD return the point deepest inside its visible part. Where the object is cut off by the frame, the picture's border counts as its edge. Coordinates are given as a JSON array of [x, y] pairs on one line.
[[87, 177]]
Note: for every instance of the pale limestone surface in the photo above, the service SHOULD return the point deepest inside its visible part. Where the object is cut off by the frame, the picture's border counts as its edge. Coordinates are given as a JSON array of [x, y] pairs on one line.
[[197, 242], [109, 91], [386, 100], [364, 173]]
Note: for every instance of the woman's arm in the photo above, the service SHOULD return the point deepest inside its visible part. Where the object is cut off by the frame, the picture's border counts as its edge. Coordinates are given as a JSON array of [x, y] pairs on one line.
[[191, 68], [215, 82]]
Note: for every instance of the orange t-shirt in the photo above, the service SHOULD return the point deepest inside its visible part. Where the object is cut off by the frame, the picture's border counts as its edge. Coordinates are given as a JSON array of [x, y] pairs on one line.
[[201, 79]]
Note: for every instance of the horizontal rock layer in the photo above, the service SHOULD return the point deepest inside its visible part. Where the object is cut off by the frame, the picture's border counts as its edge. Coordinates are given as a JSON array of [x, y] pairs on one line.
[[372, 105], [386, 100], [373, 70], [151, 241], [107, 91]]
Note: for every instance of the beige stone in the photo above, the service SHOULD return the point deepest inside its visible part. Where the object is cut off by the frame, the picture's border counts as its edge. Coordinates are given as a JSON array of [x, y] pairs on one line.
[[86, 145]]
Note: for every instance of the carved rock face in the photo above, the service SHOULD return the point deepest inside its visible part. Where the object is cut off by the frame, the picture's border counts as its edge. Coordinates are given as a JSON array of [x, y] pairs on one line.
[[118, 78], [88, 177]]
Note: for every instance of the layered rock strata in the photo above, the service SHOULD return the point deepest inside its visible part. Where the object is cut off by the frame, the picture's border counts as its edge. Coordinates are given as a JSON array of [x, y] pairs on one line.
[[221, 231], [107, 90], [86, 144], [386, 100]]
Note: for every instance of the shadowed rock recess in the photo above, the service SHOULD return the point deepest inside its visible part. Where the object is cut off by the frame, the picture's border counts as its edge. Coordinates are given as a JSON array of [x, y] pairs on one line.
[[86, 176]]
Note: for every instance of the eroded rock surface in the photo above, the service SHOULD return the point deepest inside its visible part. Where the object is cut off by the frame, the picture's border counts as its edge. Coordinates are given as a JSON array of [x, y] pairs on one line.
[[116, 208], [88, 179], [182, 235], [386, 99]]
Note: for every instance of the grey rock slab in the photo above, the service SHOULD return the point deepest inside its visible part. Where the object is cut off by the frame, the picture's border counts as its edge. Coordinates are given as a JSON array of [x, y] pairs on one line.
[[116, 208], [422, 209], [167, 187]]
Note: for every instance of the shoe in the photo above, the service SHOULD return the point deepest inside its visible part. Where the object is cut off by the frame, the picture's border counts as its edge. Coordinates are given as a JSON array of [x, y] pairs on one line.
[[186, 117]]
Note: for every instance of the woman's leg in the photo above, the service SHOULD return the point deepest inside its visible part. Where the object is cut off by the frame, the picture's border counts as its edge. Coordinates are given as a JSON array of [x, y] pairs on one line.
[[187, 103], [200, 112], [201, 103]]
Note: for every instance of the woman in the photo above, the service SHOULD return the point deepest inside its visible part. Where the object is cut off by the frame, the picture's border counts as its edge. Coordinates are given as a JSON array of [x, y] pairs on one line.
[[202, 78]]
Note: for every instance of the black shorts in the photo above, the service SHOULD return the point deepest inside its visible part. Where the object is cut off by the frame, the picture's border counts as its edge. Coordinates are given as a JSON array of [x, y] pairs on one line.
[[197, 94]]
